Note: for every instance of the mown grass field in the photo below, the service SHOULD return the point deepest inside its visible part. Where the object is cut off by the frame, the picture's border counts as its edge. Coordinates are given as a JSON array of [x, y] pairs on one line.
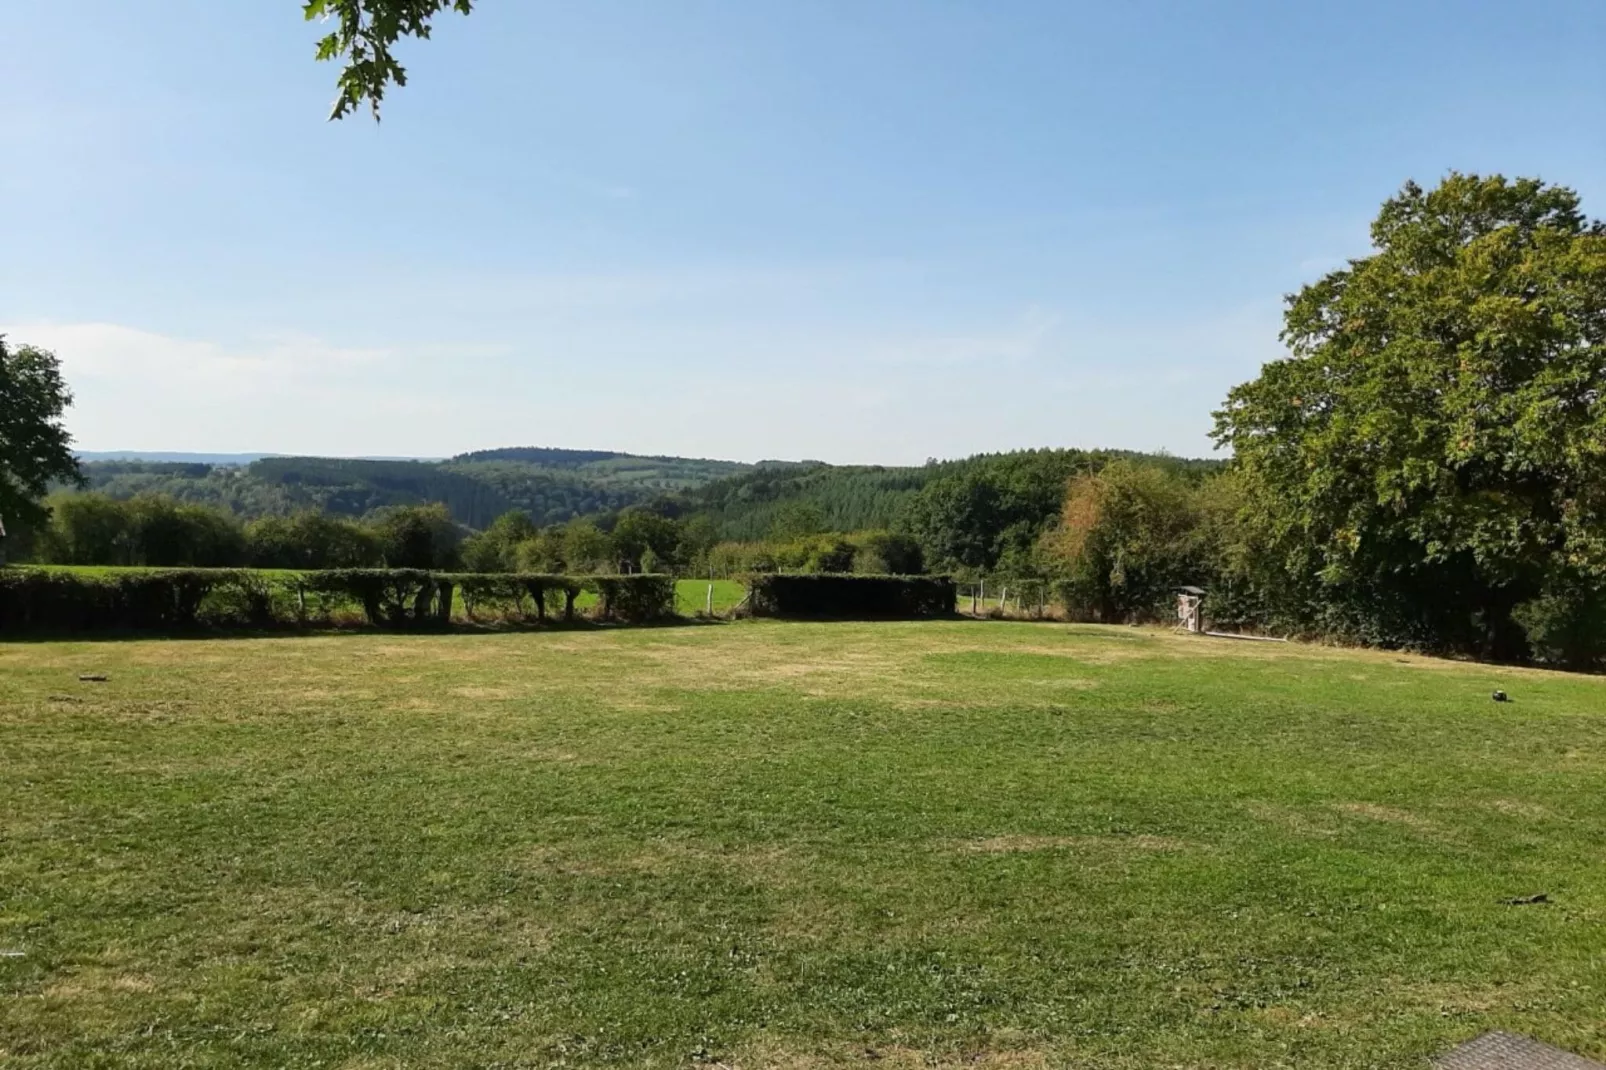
[[798, 845]]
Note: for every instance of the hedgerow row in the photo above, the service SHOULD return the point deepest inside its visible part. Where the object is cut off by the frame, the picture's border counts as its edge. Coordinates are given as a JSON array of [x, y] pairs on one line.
[[42, 601]]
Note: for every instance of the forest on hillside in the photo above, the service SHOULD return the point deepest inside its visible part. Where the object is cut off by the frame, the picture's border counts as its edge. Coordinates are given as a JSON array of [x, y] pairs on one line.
[[549, 485]]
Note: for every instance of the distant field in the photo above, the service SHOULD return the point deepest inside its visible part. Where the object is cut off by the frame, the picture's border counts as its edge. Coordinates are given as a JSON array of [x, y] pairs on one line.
[[691, 596], [763, 844]]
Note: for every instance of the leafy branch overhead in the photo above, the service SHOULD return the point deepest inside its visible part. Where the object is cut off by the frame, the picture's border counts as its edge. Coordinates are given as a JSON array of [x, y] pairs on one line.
[[363, 35]]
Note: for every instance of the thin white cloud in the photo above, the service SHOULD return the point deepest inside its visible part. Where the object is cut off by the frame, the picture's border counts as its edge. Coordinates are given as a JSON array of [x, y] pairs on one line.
[[1014, 342], [112, 353], [746, 388], [140, 389]]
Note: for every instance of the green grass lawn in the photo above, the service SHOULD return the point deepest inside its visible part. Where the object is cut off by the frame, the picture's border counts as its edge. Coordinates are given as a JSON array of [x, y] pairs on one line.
[[799, 845]]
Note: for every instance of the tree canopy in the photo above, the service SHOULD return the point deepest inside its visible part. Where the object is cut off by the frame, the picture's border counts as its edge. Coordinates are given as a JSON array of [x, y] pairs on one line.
[[363, 35], [34, 445], [1433, 451]]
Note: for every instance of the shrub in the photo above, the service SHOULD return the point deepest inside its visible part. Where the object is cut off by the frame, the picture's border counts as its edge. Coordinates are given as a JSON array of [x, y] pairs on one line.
[[417, 537], [311, 541], [38, 600], [521, 593], [86, 529], [635, 599], [812, 553], [496, 549], [168, 533], [586, 547], [639, 532], [34, 600], [499, 593], [1568, 630], [541, 553], [391, 597], [888, 553], [829, 553], [1126, 539], [150, 530], [849, 597]]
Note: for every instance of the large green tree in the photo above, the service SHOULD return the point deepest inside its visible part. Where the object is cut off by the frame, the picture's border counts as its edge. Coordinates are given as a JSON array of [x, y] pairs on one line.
[[34, 446], [417, 536], [362, 35], [640, 532], [1431, 456], [496, 549]]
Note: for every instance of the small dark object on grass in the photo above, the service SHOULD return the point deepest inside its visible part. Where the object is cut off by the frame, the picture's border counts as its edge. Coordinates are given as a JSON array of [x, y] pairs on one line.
[[92, 678], [1526, 900], [1500, 696]]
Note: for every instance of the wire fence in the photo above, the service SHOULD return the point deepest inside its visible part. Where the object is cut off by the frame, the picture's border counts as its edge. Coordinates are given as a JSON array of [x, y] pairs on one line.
[[1021, 599]]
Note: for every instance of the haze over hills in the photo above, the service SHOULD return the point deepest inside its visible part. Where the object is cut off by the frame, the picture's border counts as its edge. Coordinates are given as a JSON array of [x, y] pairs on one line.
[[172, 456]]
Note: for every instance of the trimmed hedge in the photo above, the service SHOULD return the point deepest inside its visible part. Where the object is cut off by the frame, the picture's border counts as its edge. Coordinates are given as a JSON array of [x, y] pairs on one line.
[[167, 600], [389, 597], [851, 597], [32, 600], [519, 593], [636, 599]]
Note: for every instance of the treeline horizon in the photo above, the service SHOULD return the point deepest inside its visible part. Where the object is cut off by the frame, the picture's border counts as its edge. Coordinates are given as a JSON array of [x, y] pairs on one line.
[[549, 485], [804, 516]]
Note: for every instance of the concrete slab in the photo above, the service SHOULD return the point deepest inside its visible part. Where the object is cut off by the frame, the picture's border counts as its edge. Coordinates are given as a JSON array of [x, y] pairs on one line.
[[1506, 1051]]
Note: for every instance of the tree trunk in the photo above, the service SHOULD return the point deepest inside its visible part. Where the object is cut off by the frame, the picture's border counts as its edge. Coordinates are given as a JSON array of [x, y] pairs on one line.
[[422, 600]]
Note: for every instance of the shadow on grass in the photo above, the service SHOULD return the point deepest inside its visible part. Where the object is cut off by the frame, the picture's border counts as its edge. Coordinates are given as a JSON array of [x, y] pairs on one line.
[[872, 619], [473, 628]]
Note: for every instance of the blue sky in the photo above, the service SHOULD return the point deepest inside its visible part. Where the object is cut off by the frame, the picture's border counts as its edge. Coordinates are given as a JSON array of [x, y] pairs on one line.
[[857, 232]]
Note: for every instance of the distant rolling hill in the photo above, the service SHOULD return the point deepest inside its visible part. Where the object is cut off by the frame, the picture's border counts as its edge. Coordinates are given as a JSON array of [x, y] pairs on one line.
[[551, 485]]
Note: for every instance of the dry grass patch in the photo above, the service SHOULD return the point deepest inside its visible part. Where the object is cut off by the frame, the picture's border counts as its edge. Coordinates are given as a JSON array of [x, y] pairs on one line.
[[1393, 815], [772, 865], [482, 692], [95, 983], [1289, 819], [1016, 844], [779, 1056], [1519, 808]]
